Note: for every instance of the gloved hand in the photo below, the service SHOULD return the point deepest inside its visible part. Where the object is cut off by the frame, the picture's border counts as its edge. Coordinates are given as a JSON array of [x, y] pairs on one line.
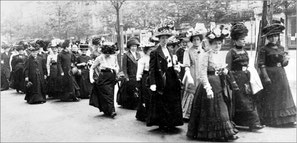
[[209, 93], [153, 87]]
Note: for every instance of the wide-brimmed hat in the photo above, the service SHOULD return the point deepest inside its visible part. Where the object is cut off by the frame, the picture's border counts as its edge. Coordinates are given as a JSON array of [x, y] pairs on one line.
[[132, 41], [147, 46], [19, 47], [275, 28], [165, 29], [34, 47], [182, 37], [199, 30]]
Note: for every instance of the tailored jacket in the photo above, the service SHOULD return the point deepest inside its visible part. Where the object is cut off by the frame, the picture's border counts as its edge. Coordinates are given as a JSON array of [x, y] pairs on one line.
[[157, 69], [130, 65]]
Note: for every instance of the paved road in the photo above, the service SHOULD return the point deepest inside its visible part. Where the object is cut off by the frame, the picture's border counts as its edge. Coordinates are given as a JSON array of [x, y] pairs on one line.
[[78, 122]]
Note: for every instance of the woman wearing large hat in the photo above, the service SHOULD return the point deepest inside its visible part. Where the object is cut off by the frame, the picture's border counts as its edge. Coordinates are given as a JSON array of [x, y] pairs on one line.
[[210, 118], [106, 67], [127, 95], [165, 106], [17, 64], [278, 108], [192, 62], [245, 110], [142, 80], [35, 75]]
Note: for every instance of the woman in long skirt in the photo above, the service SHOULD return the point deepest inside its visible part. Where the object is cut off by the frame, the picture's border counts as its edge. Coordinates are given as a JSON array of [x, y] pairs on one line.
[[142, 79], [245, 113], [17, 63], [278, 108], [69, 90], [106, 67], [5, 69], [210, 118], [35, 75], [52, 71], [83, 81], [192, 64], [127, 95], [165, 104]]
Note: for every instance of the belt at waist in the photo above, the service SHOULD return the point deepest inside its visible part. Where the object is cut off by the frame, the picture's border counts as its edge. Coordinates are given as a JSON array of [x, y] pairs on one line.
[[274, 65], [145, 72], [53, 63], [211, 72], [240, 68], [106, 70]]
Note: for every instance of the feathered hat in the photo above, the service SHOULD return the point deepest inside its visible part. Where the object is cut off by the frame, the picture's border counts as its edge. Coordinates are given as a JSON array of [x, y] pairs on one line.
[[276, 27], [199, 30], [34, 47], [165, 29], [218, 33], [182, 36], [238, 30], [146, 46]]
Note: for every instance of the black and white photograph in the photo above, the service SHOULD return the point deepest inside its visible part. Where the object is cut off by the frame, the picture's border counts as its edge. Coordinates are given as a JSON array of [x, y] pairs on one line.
[[148, 71]]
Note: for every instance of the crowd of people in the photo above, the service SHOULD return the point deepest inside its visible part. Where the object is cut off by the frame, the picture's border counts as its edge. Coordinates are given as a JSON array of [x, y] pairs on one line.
[[168, 82]]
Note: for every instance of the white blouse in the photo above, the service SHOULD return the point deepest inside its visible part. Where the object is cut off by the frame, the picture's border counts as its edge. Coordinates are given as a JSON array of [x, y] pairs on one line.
[[103, 62], [50, 57], [142, 65], [167, 56]]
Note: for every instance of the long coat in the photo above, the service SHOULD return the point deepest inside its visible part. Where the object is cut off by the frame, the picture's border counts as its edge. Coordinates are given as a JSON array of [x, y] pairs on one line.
[[158, 68], [35, 70]]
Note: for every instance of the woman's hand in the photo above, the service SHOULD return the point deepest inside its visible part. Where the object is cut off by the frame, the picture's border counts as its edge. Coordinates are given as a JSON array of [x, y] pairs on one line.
[[153, 87], [62, 74], [209, 93], [267, 80], [92, 80]]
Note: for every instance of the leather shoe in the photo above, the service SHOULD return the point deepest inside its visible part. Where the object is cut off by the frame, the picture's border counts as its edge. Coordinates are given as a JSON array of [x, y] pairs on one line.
[[256, 127]]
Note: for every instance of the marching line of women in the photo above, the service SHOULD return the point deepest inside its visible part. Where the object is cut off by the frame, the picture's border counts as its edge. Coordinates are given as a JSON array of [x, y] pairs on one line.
[[168, 84]]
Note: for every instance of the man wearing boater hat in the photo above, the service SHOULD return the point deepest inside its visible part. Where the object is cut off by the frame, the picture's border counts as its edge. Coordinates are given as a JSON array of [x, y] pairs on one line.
[[278, 108]]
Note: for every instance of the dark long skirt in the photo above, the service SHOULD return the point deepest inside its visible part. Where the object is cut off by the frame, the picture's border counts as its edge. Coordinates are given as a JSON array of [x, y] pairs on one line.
[[19, 78], [69, 90], [165, 109], [127, 95], [144, 98], [210, 118], [85, 84], [52, 83], [36, 92], [245, 113], [278, 106], [4, 78], [102, 96]]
